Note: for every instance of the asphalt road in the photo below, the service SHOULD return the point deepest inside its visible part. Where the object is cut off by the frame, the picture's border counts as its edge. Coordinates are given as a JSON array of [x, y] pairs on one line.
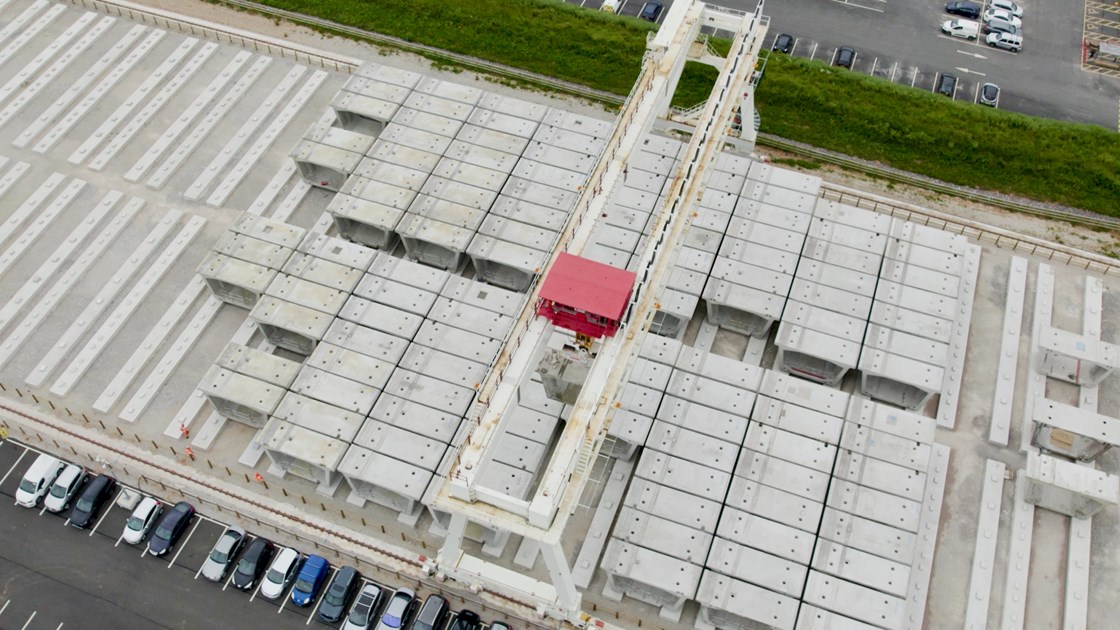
[[901, 41], [56, 576]]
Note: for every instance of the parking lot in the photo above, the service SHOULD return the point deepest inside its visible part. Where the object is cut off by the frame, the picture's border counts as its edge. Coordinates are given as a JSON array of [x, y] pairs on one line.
[[55, 576]]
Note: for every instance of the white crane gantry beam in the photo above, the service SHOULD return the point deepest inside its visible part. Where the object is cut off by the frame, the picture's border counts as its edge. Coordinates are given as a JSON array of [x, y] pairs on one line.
[[544, 516]]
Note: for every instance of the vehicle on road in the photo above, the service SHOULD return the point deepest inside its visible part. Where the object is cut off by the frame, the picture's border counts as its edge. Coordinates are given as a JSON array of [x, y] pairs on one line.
[[947, 84], [845, 57], [1007, 5], [93, 497], [140, 522], [784, 43], [466, 620], [37, 481], [253, 563], [1000, 14], [280, 573], [310, 580], [963, 8], [433, 614], [341, 590], [65, 487], [171, 527], [365, 608], [1007, 41], [965, 29], [651, 11], [400, 606], [221, 556], [989, 95]]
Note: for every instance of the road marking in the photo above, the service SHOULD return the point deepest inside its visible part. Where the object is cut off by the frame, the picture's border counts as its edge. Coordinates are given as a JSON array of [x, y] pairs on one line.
[[874, 66], [28, 622], [894, 69], [259, 582], [794, 49], [967, 71], [857, 6], [183, 545], [971, 54], [230, 578], [109, 509], [914, 76], [814, 53], [5, 606], [18, 459], [976, 93], [321, 594], [60, 625]]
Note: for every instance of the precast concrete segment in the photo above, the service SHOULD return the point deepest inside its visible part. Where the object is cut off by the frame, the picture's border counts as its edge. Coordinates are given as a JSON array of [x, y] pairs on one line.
[[42, 276], [232, 146], [76, 113], [1019, 560], [16, 25], [290, 202], [30, 32], [12, 176], [921, 565], [983, 559], [77, 87], [265, 140], [270, 191], [119, 317], [41, 223], [143, 353], [187, 117], [106, 128], [141, 119], [954, 373], [30, 204], [25, 76], [1008, 352], [583, 570], [58, 290], [1036, 380]]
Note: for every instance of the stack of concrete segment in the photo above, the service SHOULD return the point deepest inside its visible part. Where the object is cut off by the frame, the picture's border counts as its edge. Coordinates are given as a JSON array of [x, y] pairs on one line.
[[247, 258], [327, 155], [246, 384]]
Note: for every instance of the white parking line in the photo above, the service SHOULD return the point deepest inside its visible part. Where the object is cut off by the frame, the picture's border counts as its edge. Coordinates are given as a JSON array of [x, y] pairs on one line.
[[286, 597], [258, 587], [874, 66], [976, 93], [5, 606], [18, 459], [326, 584], [28, 622], [107, 510], [857, 6], [230, 578], [60, 625], [914, 76], [183, 545], [814, 53]]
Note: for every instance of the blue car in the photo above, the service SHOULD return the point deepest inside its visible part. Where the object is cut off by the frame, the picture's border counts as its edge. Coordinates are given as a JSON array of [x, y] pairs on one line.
[[310, 580]]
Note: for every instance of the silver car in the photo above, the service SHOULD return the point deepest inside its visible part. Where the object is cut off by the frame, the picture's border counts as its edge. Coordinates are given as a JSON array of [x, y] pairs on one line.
[[221, 556], [142, 520]]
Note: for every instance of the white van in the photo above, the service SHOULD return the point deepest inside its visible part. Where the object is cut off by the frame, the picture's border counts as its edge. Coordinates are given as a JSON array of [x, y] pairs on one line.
[[38, 480], [965, 29]]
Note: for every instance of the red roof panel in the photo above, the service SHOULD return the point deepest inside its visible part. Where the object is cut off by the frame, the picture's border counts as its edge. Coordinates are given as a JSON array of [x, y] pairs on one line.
[[588, 285]]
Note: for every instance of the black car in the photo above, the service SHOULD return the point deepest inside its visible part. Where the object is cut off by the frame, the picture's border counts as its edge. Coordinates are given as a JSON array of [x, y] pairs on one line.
[[947, 84], [253, 564], [170, 528], [651, 11], [963, 8], [783, 43], [845, 57], [466, 620], [339, 594], [93, 497]]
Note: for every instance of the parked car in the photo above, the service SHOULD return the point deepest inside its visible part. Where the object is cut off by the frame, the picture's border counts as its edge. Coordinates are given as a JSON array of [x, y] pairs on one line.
[[1001, 26], [498, 625], [341, 590], [433, 614], [171, 526], [37, 481], [845, 57], [989, 94], [1000, 14], [1007, 5], [140, 522], [92, 499], [65, 487], [651, 11], [963, 8], [1007, 41], [221, 556], [784, 43], [253, 563], [965, 29], [280, 573], [947, 84], [466, 620], [310, 580], [400, 606], [365, 608]]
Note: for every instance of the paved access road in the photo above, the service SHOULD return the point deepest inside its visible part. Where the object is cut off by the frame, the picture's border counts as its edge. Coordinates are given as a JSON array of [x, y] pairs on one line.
[[56, 576]]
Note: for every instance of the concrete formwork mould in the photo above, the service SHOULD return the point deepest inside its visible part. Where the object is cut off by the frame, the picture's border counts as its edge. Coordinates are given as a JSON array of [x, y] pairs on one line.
[[662, 535], [518, 452], [239, 397], [509, 480], [505, 123], [726, 182], [782, 474], [870, 536], [1068, 488], [326, 159], [663, 145], [570, 139], [384, 480], [472, 174], [726, 602], [756, 567], [368, 341], [557, 176], [471, 318], [323, 272], [418, 119], [483, 296], [415, 417], [858, 260], [672, 504], [402, 154], [1078, 359], [512, 106], [368, 222], [817, 351], [683, 474], [415, 138], [380, 317], [1072, 431], [400, 176], [446, 108], [732, 163], [459, 192], [646, 575], [578, 123], [784, 178], [774, 504], [388, 75], [303, 453], [318, 416], [560, 157], [395, 294], [540, 194], [290, 326], [838, 300], [337, 251], [430, 391], [360, 111], [509, 253], [792, 447], [458, 342], [306, 293], [356, 366], [335, 389], [491, 140], [480, 155], [235, 281], [373, 86], [449, 90], [626, 218], [766, 535], [794, 418], [708, 420], [650, 164], [781, 197], [445, 366], [400, 443]]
